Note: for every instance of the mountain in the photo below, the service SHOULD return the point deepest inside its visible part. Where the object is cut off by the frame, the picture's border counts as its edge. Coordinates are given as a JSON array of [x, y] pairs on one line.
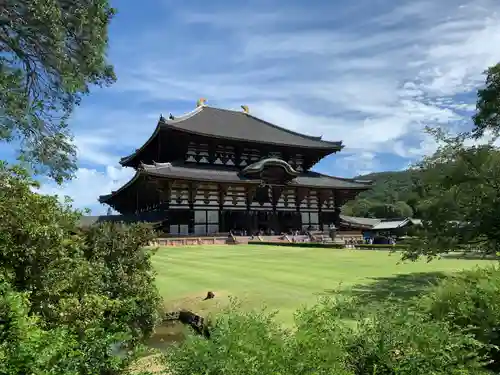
[[394, 195]]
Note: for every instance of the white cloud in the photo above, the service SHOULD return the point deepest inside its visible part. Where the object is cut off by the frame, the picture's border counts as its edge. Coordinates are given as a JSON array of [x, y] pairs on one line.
[[88, 185], [372, 76]]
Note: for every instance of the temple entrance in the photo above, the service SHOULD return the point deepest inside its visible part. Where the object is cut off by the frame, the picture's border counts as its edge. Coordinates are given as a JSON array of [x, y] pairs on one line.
[[233, 220], [277, 222], [289, 221], [252, 222]]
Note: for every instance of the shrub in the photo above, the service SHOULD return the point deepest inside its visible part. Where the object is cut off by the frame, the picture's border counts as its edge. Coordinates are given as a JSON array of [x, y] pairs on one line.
[[299, 244], [470, 302], [96, 286], [396, 340], [241, 343], [25, 348], [388, 341], [381, 246]]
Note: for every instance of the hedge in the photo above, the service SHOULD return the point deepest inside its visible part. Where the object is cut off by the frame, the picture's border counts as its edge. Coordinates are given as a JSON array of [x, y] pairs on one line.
[[381, 246], [299, 244], [329, 245]]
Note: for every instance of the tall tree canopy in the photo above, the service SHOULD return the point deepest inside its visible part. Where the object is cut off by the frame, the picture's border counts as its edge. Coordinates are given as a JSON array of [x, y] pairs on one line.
[[461, 208], [51, 52]]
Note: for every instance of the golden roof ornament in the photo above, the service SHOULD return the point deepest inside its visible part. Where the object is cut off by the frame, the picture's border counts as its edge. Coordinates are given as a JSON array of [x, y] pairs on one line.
[[245, 108], [201, 102]]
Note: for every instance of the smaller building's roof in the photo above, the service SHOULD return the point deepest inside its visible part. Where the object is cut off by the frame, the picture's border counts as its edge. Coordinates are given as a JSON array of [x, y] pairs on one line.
[[361, 221], [379, 224], [390, 224]]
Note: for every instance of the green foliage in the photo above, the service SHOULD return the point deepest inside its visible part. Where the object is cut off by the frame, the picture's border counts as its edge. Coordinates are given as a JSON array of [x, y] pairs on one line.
[[391, 340], [469, 301], [382, 246], [25, 348], [487, 117], [462, 201], [52, 52], [243, 343], [299, 244], [461, 183], [394, 195], [97, 285], [396, 340], [117, 253]]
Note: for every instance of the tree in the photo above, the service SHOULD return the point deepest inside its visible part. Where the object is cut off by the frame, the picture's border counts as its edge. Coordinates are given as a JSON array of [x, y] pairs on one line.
[[487, 117], [461, 209], [377, 209], [461, 184], [83, 290], [394, 194], [52, 51]]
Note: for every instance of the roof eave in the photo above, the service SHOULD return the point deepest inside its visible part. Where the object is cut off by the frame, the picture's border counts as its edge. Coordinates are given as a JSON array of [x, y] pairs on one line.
[[331, 146], [127, 161], [105, 198]]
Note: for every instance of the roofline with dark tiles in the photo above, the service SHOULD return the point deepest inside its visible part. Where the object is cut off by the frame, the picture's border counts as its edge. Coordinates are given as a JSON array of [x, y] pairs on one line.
[[147, 170], [334, 146]]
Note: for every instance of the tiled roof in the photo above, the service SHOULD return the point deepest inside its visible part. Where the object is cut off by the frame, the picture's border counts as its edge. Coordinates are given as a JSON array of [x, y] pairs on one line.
[[238, 126], [362, 221], [379, 224], [224, 174], [224, 123]]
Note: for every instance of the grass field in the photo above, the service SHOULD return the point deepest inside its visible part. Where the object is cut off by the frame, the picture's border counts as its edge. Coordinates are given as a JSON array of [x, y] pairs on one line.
[[285, 278]]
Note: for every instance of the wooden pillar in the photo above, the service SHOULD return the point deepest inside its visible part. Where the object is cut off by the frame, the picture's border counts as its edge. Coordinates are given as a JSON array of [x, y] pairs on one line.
[[337, 201], [300, 195], [222, 192], [237, 156], [192, 190], [250, 191], [323, 197]]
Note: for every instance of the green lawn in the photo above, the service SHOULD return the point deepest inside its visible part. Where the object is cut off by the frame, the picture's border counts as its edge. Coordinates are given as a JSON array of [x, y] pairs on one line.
[[286, 278]]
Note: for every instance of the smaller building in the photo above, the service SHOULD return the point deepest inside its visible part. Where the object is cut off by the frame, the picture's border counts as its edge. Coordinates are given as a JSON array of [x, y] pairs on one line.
[[372, 227]]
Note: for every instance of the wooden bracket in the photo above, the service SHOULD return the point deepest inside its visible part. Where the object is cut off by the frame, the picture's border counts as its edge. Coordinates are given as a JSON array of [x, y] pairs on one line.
[[276, 192], [323, 196], [300, 194], [250, 193], [192, 190], [164, 188], [223, 189]]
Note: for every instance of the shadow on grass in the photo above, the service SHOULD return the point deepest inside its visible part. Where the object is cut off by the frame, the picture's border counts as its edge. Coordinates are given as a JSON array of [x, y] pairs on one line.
[[398, 288]]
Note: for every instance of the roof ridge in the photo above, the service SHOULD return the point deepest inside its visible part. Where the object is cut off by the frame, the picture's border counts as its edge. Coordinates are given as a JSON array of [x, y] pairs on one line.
[[311, 137], [185, 116]]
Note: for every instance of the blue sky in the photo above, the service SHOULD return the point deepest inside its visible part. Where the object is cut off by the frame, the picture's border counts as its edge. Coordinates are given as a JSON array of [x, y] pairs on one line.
[[371, 73]]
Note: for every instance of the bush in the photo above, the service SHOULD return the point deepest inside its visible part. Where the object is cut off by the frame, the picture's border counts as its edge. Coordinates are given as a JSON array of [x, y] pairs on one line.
[[389, 341], [470, 302], [241, 343], [299, 244], [381, 246], [25, 348], [397, 340], [96, 285]]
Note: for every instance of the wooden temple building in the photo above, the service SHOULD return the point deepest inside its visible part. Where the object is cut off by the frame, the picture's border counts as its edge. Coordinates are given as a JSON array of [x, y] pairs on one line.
[[216, 170]]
